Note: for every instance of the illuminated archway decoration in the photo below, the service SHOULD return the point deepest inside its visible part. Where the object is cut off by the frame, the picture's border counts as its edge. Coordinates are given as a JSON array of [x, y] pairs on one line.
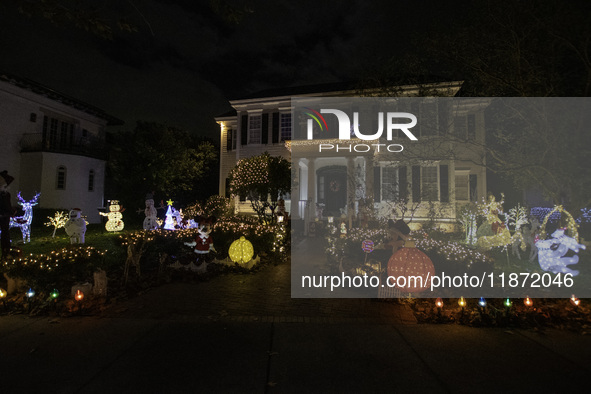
[[570, 223], [241, 251]]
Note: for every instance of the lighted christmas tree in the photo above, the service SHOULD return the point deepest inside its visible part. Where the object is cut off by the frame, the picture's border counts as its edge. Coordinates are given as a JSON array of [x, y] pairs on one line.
[[169, 222]]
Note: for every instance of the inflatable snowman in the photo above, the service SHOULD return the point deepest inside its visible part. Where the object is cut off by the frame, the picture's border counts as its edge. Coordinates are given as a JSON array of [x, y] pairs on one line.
[[114, 217], [151, 220], [75, 227]]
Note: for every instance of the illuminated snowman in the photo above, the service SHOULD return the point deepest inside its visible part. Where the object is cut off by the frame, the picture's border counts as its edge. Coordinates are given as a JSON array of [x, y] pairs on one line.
[[151, 220], [114, 217]]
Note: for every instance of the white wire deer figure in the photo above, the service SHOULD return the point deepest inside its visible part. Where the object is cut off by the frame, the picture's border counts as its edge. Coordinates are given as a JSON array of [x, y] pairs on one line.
[[24, 222]]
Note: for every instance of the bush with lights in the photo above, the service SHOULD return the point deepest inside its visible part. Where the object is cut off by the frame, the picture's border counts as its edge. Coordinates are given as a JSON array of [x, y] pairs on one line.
[[347, 253], [58, 269], [572, 314]]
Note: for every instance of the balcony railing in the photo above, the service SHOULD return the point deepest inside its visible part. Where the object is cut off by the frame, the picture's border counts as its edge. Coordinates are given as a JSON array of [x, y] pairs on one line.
[[89, 146]]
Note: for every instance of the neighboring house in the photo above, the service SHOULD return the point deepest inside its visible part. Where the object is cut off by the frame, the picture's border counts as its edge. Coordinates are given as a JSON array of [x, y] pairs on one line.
[[53, 144], [337, 184]]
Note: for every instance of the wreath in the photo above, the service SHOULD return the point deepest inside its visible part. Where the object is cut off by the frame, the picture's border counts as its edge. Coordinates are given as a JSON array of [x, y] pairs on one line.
[[335, 186]]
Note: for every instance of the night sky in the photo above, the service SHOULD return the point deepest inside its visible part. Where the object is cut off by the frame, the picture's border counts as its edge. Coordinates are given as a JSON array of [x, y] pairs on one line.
[[186, 60]]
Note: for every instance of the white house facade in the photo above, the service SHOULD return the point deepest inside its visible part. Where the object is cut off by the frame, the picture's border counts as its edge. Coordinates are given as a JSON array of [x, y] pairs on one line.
[[54, 145], [434, 178]]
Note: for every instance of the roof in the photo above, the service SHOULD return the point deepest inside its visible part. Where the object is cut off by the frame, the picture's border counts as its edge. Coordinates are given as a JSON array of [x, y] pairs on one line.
[[42, 90], [305, 89], [336, 88], [346, 86]]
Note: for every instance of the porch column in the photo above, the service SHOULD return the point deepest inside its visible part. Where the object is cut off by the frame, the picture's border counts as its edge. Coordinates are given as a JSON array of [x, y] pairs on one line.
[[350, 190], [311, 188], [369, 178], [294, 210]]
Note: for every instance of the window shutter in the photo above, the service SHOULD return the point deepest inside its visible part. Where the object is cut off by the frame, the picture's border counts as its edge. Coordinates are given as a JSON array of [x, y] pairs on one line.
[[228, 140], [443, 111], [275, 137], [377, 184], [473, 187], [265, 129], [443, 183], [416, 183], [402, 183], [244, 130], [471, 126]]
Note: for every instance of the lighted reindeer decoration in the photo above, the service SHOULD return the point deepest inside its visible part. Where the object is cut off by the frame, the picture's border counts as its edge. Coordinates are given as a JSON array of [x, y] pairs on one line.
[[24, 222]]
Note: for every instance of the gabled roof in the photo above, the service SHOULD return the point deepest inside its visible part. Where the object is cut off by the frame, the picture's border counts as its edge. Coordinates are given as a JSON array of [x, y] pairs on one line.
[[304, 89], [44, 91], [338, 89]]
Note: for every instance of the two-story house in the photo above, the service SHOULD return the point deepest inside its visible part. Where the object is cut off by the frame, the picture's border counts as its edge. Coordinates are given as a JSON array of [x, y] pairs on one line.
[[54, 145], [437, 175]]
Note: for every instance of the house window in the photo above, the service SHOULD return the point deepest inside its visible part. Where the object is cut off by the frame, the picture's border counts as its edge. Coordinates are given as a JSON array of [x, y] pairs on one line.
[[389, 183], [465, 127], [285, 127], [60, 183], [254, 129], [427, 113], [429, 184], [66, 135], [462, 188], [57, 133], [91, 180]]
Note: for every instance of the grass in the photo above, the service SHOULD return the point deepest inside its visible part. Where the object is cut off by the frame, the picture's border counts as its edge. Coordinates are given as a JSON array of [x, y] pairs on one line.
[[42, 241]]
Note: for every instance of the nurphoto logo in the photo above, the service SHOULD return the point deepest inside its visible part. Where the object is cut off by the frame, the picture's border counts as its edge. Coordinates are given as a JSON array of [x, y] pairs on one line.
[[346, 129]]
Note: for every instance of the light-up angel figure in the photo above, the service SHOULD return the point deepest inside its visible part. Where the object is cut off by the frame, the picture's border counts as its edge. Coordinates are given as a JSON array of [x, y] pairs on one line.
[[551, 253], [493, 232]]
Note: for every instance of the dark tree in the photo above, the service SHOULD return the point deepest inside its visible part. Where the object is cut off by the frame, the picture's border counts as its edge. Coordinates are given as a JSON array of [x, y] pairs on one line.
[[165, 160]]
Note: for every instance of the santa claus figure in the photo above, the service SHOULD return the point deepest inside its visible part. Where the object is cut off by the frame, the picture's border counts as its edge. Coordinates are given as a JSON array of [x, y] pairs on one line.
[[76, 227], [203, 243]]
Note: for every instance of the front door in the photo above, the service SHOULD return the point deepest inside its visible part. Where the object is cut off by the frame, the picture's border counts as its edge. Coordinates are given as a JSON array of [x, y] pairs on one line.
[[332, 189]]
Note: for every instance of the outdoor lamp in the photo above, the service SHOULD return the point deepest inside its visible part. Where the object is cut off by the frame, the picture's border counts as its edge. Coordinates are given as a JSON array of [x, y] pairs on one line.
[[79, 295], [574, 300]]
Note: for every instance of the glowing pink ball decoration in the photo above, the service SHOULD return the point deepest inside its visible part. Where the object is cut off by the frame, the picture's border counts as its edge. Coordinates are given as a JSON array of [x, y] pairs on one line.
[[408, 262]]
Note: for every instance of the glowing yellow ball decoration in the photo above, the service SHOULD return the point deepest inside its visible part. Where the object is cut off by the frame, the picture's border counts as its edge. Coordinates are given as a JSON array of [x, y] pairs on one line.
[[241, 251]]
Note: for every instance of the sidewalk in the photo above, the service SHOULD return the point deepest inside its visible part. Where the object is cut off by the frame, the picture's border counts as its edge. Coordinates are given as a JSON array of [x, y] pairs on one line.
[[243, 333]]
